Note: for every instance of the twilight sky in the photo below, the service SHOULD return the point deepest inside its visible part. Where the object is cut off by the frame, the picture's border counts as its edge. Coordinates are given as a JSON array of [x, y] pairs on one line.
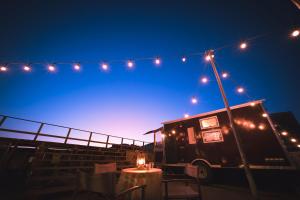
[[130, 102]]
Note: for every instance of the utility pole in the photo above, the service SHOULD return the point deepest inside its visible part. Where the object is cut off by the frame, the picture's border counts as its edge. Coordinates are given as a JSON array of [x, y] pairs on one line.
[[210, 56]]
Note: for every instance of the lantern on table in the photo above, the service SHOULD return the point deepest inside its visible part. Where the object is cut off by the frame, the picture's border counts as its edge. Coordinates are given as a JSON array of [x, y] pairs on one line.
[[140, 161]]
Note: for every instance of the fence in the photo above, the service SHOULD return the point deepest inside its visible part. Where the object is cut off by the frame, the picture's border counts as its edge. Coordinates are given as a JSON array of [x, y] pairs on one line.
[[18, 128]]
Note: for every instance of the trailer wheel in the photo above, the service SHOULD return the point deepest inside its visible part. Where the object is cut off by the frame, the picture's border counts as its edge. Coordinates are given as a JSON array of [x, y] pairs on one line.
[[205, 172]]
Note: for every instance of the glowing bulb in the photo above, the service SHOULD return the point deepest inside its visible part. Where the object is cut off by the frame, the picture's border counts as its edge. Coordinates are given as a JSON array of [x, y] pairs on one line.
[[295, 33], [183, 59], [240, 90], [194, 100], [298, 145], [225, 75], [76, 67], [264, 115], [261, 127], [173, 131], [293, 140], [204, 79], [163, 136], [130, 64], [157, 61], [284, 133], [209, 56], [3, 68], [104, 66], [243, 45], [51, 68], [252, 126], [186, 115], [252, 104], [27, 68]]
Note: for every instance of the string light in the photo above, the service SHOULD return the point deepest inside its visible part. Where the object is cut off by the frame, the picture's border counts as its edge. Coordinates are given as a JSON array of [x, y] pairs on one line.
[[243, 45], [157, 61], [173, 132], [194, 100], [264, 115], [284, 133], [104, 66], [76, 67], [298, 145], [204, 80], [293, 140], [3, 68], [26, 68], [295, 33], [225, 75], [209, 56], [252, 104], [51, 68], [240, 90], [261, 127], [186, 115], [252, 126], [130, 64]]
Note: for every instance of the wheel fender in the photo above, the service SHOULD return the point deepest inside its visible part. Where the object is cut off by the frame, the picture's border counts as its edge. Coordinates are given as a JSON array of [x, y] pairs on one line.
[[201, 160]]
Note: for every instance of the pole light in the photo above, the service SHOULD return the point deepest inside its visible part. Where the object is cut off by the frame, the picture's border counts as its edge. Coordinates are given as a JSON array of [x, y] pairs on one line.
[[236, 135]]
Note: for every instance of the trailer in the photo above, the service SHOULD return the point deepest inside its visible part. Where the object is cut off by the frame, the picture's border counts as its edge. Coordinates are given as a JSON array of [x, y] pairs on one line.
[[207, 140]]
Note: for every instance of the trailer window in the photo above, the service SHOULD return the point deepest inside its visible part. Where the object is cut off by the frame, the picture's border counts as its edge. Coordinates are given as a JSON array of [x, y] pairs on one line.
[[212, 136], [209, 122]]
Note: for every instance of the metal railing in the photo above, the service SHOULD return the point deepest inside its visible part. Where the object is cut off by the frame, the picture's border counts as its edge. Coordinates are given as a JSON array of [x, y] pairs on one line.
[[38, 135]]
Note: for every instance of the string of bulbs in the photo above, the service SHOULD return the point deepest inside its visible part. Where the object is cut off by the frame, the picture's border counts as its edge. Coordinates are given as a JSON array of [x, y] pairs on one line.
[[105, 65]]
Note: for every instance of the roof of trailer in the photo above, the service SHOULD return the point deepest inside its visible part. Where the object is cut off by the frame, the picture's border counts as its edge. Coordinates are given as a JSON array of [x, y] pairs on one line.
[[213, 112]]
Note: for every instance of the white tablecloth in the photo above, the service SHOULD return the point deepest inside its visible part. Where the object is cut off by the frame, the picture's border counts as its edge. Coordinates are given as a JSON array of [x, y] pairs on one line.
[[151, 178]]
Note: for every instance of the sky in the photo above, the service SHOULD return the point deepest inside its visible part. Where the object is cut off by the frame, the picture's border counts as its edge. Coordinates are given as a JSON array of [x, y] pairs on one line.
[[128, 103]]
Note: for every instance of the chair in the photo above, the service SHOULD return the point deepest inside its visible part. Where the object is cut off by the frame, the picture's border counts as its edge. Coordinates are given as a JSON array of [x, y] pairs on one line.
[[103, 168], [187, 188]]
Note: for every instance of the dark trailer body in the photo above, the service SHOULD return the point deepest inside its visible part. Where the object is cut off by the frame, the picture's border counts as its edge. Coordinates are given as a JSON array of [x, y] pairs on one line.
[[207, 140]]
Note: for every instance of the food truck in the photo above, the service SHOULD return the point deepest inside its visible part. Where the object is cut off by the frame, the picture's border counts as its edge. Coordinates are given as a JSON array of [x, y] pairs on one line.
[[207, 140]]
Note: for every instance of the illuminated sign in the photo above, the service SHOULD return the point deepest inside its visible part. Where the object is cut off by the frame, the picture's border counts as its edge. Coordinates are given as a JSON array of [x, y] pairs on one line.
[[212, 136], [210, 122]]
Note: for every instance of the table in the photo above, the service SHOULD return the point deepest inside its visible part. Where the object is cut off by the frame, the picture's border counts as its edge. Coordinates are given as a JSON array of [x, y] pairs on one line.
[[151, 178]]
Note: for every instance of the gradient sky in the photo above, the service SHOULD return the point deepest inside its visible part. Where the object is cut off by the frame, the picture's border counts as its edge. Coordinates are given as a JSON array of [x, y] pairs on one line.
[[130, 102]]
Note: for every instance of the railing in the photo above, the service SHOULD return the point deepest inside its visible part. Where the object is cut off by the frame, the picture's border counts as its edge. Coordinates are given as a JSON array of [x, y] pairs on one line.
[[69, 136]]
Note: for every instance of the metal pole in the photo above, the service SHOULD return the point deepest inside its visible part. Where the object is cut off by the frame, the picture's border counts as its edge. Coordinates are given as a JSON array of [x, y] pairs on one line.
[[2, 120], [90, 137], [68, 134], [107, 141], [248, 173], [38, 132]]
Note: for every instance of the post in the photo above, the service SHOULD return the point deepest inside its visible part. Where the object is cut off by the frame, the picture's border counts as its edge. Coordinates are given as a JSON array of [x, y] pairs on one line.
[[107, 141], [164, 147], [143, 147], [91, 133], [68, 134], [2, 120], [133, 145], [236, 135], [39, 131]]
